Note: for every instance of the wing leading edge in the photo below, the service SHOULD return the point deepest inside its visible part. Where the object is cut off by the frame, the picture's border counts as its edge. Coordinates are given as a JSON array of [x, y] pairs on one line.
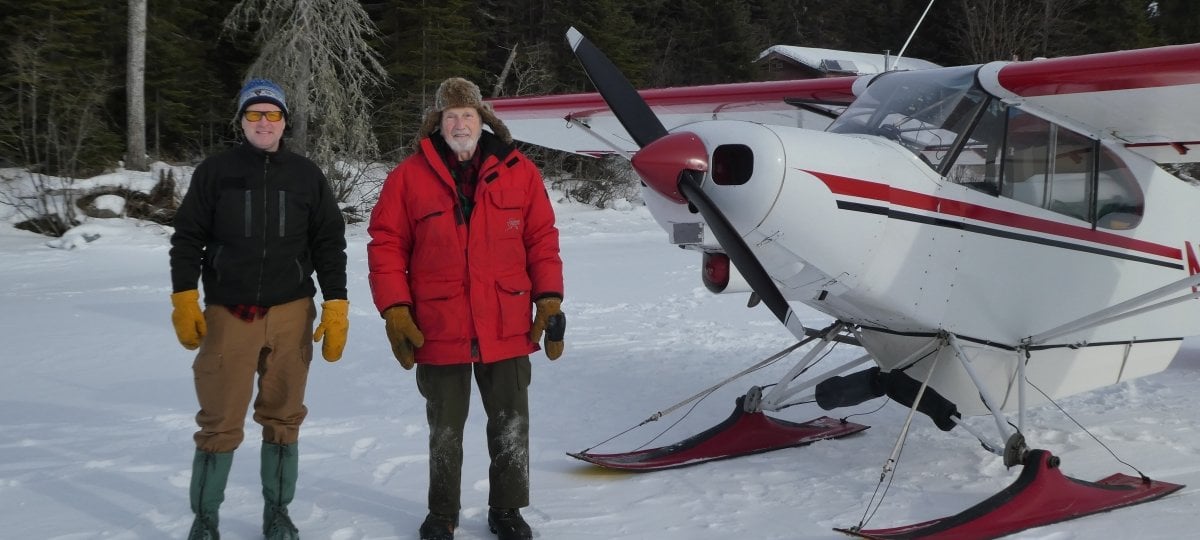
[[583, 124]]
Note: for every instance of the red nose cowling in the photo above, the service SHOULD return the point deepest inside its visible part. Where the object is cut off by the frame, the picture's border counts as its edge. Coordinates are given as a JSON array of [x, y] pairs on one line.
[[661, 161]]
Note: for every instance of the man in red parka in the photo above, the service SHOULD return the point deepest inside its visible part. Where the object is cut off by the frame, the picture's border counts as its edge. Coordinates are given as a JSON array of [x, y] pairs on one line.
[[465, 269]]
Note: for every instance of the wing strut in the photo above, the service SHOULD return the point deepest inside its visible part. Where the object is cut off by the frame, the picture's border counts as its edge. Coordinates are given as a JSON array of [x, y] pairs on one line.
[[575, 122], [1128, 308]]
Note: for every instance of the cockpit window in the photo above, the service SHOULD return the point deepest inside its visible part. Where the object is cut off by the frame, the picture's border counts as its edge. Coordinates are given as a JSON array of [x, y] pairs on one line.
[[942, 115], [977, 165], [925, 111]]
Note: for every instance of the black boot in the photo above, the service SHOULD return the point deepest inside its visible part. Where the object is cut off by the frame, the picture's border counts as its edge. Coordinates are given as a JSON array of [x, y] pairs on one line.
[[508, 524], [438, 527]]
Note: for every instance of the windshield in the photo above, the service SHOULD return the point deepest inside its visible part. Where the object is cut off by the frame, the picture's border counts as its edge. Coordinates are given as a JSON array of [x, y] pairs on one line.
[[925, 111]]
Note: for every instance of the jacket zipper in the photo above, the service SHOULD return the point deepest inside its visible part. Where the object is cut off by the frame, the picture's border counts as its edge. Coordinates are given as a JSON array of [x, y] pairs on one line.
[[464, 219], [262, 262]]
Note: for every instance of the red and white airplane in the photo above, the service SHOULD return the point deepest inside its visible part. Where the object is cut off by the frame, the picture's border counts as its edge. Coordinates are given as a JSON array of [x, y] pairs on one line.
[[993, 236]]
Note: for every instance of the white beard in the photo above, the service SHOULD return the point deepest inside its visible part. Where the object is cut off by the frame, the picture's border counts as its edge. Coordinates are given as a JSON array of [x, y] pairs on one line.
[[460, 146]]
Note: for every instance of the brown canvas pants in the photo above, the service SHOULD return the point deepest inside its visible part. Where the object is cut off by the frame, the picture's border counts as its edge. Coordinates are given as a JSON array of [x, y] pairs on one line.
[[503, 387], [278, 348]]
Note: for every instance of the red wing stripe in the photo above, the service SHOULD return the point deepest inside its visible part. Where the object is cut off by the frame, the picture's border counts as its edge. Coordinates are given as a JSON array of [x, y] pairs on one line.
[[853, 187], [709, 98], [1122, 70]]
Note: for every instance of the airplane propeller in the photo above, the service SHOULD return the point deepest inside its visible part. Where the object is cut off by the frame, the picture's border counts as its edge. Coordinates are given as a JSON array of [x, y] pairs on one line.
[[674, 165]]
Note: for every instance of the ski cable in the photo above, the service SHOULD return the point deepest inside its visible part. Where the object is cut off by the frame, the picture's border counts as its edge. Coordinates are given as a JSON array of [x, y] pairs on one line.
[[704, 393], [889, 466], [1090, 434]]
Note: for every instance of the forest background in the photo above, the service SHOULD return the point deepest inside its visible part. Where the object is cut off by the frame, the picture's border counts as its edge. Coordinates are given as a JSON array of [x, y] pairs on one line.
[[360, 74]]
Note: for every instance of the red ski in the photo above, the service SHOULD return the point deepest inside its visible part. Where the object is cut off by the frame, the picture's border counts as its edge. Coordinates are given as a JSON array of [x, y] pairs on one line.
[[741, 434], [1041, 495]]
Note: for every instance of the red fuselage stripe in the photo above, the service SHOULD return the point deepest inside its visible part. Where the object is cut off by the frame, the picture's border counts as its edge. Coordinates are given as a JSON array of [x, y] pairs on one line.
[[853, 187]]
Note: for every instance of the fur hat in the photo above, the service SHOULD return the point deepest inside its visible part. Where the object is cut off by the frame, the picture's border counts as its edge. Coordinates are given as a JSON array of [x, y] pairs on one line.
[[458, 92], [261, 91]]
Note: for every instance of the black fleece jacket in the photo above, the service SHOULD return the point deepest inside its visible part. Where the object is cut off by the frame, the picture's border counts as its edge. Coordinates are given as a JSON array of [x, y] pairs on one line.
[[255, 226]]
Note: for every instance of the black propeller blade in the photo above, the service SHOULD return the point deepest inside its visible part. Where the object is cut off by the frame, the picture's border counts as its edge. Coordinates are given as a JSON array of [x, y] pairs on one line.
[[629, 107], [735, 247], [645, 128]]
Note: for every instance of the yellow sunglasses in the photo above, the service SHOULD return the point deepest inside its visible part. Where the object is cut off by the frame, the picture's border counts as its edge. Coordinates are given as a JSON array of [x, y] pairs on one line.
[[254, 116]]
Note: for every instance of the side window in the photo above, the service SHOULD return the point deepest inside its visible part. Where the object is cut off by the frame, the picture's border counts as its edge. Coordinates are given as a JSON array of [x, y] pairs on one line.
[[1119, 200], [978, 164], [1025, 158], [1048, 166], [1074, 159]]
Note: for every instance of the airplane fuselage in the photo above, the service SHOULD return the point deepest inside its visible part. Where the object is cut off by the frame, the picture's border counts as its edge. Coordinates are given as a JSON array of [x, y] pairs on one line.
[[1013, 237]]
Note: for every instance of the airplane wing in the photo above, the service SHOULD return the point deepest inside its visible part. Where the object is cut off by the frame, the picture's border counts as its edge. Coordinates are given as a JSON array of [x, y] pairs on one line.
[[1149, 99], [583, 123]]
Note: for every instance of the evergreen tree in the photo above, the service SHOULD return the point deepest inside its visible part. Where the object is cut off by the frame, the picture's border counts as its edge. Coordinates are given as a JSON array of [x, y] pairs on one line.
[[616, 27], [1111, 25], [421, 44], [777, 22], [702, 42], [1176, 21], [61, 64], [62, 104], [192, 79]]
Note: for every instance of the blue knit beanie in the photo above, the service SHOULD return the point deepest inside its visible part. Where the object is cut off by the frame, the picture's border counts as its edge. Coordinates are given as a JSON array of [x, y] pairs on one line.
[[261, 91]]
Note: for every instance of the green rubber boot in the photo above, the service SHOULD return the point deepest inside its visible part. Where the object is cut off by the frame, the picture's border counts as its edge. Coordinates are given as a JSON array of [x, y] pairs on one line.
[[210, 472], [280, 466]]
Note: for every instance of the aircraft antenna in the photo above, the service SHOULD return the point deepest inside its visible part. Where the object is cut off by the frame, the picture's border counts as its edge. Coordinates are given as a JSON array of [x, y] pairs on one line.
[[911, 34]]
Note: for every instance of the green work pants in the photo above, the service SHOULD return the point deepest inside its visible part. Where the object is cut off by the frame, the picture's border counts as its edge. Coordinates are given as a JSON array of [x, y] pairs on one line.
[[503, 387]]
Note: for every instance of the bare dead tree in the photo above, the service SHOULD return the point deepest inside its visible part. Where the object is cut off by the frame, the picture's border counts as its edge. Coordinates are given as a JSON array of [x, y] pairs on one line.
[[598, 182], [135, 89], [530, 72], [498, 90], [319, 51], [1013, 29]]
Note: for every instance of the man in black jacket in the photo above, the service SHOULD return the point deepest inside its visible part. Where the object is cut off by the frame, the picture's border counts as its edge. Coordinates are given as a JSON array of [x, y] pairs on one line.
[[256, 222]]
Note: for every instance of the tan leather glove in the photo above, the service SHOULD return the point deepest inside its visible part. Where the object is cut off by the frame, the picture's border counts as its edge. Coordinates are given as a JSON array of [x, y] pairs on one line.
[[335, 323], [550, 319], [403, 333], [188, 319]]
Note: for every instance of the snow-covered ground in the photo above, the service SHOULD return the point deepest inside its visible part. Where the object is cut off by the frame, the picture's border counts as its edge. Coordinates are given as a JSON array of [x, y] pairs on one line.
[[98, 406]]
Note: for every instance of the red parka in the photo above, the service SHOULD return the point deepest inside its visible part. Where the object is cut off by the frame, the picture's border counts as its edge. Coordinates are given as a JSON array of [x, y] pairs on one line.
[[471, 285]]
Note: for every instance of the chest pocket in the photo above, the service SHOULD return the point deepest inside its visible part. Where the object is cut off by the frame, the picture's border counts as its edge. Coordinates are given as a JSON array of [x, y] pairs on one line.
[[233, 213], [292, 215], [506, 216], [434, 230]]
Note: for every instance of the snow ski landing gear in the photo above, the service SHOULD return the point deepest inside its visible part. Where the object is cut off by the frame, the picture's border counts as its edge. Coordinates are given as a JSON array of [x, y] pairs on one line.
[[1041, 495], [741, 434]]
